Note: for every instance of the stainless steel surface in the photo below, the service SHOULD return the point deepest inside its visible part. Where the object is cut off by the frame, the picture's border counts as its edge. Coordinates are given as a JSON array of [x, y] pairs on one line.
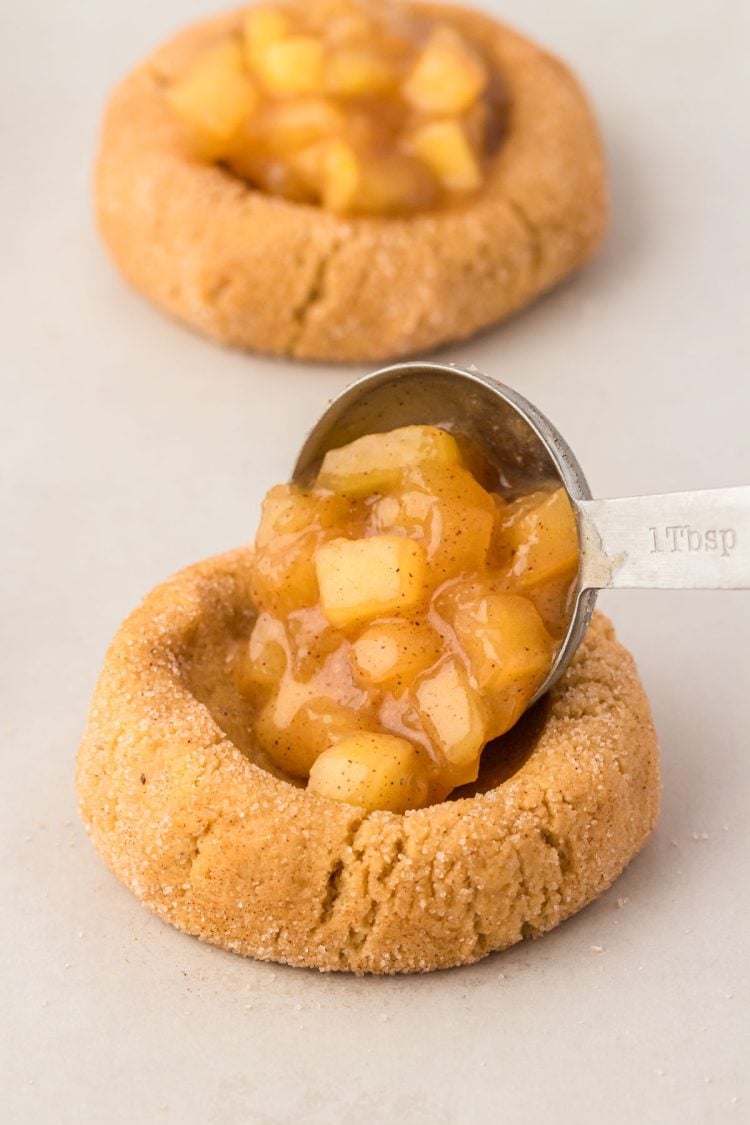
[[680, 541], [684, 540]]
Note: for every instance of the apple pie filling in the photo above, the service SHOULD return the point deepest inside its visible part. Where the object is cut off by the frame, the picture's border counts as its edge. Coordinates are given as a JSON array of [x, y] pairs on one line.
[[406, 615], [358, 107]]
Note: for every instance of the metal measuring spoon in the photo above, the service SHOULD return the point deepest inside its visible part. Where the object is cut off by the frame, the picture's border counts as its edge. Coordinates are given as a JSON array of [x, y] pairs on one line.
[[678, 541]]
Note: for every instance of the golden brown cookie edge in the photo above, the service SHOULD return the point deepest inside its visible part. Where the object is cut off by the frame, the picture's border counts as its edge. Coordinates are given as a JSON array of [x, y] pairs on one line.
[[272, 276], [224, 850]]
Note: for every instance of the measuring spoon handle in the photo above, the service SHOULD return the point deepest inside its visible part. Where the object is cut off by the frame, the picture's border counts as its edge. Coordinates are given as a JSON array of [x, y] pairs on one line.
[[679, 541]]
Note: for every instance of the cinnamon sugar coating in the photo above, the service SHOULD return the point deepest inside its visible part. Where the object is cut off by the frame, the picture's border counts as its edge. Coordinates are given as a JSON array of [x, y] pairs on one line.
[[172, 796], [262, 273]]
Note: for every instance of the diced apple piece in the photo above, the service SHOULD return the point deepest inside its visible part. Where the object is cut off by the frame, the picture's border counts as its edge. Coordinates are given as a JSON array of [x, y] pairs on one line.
[[295, 727], [462, 521], [342, 18], [446, 510], [509, 650], [360, 579], [339, 173], [284, 127], [376, 462], [505, 640], [500, 552], [541, 531], [446, 151], [312, 640], [292, 525], [271, 174], [272, 149], [408, 511], [351, 72], [333, 170], [346, 25], [292, 65], [554, 603], [257, 674], [374, 771], [394, 184], [454, 718], [266, 654], [284, 576], [215, 95], [288, 510], [391, 654], [264, 24], [458, 595], [448, 76]]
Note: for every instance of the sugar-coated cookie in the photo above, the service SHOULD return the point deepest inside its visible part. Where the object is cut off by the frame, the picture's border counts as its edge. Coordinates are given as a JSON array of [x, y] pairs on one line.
[[221, 848], [268, 274]]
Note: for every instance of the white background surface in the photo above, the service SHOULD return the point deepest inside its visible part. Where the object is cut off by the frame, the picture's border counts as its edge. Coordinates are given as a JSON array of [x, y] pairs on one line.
[[131, 448]]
